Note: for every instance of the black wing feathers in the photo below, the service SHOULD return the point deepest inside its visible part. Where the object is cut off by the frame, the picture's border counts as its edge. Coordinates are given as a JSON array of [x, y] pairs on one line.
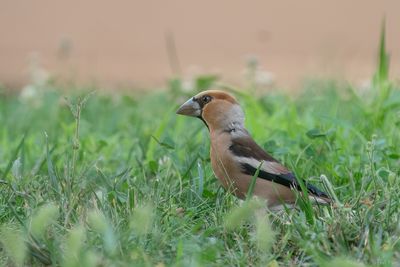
[[247, 147], [287, 179]]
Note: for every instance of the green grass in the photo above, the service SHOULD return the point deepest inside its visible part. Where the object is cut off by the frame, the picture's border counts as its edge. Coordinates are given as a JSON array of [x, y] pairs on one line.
[[120, 180]]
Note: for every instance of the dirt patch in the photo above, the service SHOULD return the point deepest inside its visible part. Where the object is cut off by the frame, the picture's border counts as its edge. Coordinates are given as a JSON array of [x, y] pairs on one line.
[[126, 43]]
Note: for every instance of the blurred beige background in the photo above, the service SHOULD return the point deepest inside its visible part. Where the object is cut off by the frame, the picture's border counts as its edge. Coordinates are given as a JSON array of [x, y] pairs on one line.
[[128, 43]]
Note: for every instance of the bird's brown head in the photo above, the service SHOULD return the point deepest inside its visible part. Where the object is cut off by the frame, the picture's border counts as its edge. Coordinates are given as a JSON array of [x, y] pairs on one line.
[[215, 108]]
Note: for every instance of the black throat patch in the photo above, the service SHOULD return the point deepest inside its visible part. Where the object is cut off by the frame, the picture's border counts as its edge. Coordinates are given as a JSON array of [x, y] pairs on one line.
[[201, 104]]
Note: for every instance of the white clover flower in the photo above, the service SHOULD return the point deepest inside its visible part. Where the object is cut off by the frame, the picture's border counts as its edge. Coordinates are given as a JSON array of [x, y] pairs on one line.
[[256, 74], [32, 93], [263, 78]]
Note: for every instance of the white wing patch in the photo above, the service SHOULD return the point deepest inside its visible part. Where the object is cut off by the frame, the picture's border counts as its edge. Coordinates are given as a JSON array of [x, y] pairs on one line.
[[319, 200], [267, 166]]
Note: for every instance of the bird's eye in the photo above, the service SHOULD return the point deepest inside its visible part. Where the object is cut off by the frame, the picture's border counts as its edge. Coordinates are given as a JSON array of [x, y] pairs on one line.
[[206, 99]]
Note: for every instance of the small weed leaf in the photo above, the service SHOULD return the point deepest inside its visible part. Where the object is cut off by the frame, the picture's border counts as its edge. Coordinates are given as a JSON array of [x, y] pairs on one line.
[[167, 142], [153, 165], [315, 133]]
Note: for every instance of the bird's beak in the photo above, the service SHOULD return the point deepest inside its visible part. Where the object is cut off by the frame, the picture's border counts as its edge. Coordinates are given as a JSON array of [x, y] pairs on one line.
[[190, 108]]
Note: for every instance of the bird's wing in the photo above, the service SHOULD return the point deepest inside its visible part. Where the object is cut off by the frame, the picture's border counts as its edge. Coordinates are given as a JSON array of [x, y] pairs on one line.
[[250, 155]]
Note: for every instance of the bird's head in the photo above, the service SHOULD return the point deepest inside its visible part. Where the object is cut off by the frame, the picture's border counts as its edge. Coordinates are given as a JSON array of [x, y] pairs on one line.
[[217, 109]]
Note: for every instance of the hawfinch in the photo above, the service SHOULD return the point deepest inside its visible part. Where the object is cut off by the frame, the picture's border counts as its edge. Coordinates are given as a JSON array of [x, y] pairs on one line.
[[236, 158]]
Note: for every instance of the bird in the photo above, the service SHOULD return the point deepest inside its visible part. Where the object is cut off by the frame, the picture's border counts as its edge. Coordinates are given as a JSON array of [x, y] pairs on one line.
[[236, 158]]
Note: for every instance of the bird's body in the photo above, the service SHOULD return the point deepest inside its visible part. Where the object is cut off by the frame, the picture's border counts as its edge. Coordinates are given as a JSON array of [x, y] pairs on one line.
[[236, 157], [228, 167]]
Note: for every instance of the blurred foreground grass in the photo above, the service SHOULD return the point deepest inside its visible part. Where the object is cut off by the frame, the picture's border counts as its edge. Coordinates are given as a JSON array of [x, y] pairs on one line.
[[120, 180]]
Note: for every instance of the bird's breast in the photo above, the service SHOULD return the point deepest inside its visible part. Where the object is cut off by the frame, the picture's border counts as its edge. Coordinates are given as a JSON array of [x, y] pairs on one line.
[[225, 168], [228, 170]]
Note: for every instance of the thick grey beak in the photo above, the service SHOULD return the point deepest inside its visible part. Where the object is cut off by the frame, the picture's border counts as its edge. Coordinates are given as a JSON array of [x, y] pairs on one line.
[[190, 108]]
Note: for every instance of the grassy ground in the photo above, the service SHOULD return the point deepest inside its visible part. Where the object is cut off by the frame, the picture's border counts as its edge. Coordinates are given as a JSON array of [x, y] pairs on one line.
[[120, 180]]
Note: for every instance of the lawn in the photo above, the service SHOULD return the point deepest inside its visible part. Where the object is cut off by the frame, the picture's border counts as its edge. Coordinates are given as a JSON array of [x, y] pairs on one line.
[[90, 178]]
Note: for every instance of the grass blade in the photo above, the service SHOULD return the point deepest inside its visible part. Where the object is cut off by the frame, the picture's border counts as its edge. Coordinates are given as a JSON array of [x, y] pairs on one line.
[[253, 182], [13, 158], [50, 168]]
